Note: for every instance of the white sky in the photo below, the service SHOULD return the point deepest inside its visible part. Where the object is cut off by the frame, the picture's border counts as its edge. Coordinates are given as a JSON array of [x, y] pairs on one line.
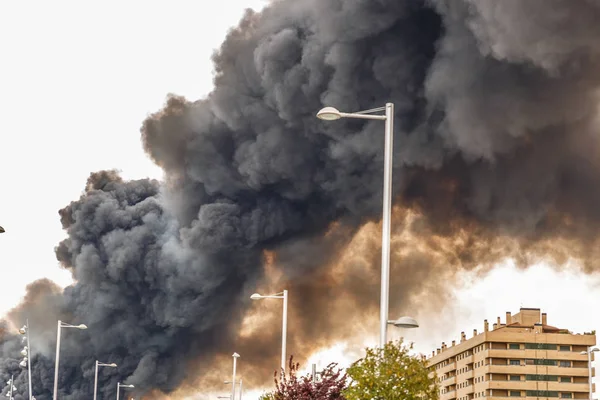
[[76, 81]]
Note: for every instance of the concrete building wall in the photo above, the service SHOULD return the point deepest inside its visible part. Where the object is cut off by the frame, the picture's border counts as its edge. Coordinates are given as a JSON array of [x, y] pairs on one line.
[[522, 357]]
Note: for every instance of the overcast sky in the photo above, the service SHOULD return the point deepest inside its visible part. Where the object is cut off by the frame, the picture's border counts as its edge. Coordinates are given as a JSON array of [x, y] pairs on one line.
[[77, 80]]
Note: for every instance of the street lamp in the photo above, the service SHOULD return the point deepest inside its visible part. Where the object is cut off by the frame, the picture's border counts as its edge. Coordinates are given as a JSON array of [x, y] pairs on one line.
[[331, 114], [61, 325], [227, 383], [120, 385], [404, 322], [283, 295], [589, 352], [235, 357], [99, 364], [26, 353], [11, 387]]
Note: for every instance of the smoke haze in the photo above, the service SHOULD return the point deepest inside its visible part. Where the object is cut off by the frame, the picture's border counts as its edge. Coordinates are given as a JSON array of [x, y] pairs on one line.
[[496, 155]]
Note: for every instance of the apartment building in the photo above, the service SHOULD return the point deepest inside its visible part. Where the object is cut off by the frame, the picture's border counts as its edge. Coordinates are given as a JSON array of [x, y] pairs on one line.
[[522, 357]]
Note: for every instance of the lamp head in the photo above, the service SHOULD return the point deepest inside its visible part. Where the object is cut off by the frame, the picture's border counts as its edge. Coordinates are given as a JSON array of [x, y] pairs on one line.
[[405, 322], [81, 326], [2, 230], [256, 296], [112, 365], [23, 330], [236, 355], [329, 114], [126, 386], [594, 350]]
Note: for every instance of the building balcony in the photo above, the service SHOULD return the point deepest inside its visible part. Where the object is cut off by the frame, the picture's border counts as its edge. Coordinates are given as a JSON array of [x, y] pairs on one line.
[[527, 353], [450, 367], [534, 369], [538, 385]]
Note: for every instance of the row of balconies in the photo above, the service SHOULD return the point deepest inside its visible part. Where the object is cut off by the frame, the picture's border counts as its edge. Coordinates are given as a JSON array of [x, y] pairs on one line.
[[516, 354], [521, 370]]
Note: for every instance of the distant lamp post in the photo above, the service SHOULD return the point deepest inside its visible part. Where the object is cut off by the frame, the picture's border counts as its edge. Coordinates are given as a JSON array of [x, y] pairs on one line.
[[228, 383], [26, 353], [589, 352], [120, 385], [99, 364], [11, 388], [284, 296], [332, 114], [61, 325], [235, 357]]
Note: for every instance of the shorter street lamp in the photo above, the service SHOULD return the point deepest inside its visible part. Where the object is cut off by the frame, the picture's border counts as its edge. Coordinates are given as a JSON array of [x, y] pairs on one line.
[[60, 326], [589, 352], [229, 383], [284, 296], [99, 364], [120, 385]]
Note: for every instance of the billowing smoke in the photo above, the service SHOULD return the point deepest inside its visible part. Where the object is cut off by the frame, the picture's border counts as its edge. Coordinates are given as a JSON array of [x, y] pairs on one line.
[[496, 155]]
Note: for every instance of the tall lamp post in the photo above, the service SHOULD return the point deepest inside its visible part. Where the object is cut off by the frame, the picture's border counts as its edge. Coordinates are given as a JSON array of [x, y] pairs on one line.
[[99, 364], [26, 353], [331, 114], [120, 385], [283, 295], [589, 352], [61, 325]]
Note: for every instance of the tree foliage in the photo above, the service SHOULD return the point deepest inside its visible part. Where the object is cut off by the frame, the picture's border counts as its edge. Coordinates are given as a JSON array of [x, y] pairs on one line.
[[329, 385], [390, 373]]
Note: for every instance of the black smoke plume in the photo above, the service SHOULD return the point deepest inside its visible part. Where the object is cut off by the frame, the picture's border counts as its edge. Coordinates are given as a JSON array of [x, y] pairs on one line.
[[496, 155]]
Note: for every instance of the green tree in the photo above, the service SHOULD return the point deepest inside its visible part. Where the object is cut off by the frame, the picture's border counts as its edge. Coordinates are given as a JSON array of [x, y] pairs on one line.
[[390, 373]]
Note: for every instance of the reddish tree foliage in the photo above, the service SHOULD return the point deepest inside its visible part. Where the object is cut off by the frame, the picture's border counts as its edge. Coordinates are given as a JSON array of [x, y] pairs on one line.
[[329, 385]]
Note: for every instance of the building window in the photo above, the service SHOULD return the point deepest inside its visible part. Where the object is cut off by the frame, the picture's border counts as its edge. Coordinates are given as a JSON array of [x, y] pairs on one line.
[[540, 346], [566, 379], [514, 393], [566, 395], [565, 363], [514, 346], [544, 362], [541, 393], [515, 362], [515, 377], [544, 378], [565, 348]]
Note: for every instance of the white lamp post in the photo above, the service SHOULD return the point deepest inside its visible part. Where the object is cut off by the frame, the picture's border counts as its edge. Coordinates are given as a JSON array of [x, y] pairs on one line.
[[235, 357], [99, 364], [26, 352], [61, 325], [331, 114], [120, 385], [11, 387], [283, 295], [228, 383], [589, 352]]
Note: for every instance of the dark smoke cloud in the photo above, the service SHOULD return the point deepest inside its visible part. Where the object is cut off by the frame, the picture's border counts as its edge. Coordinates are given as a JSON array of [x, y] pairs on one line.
[[496, 155]]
